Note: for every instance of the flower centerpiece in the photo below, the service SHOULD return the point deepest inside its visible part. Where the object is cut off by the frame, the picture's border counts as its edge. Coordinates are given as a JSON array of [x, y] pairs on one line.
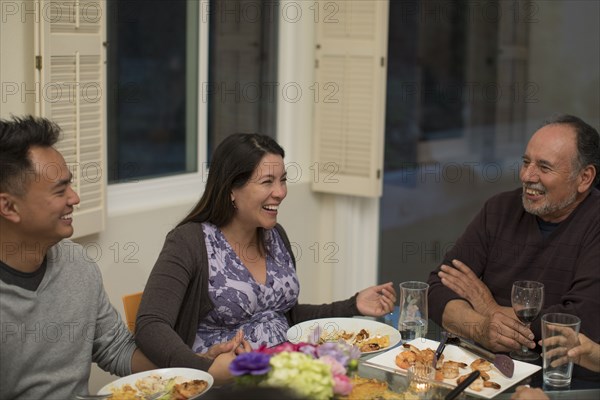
[[313, 371]]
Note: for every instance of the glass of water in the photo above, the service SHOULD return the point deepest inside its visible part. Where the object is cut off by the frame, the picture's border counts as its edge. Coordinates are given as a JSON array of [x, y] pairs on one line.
[[412, 322]]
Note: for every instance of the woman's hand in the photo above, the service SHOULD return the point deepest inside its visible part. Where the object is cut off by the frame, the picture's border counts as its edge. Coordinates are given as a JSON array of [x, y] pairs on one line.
[[376, 301], [237, 345], [587, 354], [219, 369], [583, 351], [223, 354]]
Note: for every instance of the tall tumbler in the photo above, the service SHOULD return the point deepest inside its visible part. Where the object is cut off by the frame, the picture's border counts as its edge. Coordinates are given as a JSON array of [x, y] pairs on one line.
[[559, 335], [412, 322]]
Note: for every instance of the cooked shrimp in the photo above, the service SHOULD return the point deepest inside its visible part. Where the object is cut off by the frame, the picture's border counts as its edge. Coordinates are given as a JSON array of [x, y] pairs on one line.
[[484, 375], [427, 356], [477, 384], [490, 384], [450, 369], [481, 365], [406, 358]]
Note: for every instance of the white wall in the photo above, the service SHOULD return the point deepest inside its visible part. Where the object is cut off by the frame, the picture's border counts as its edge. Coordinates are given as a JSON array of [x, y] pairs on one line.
[[16, 60]]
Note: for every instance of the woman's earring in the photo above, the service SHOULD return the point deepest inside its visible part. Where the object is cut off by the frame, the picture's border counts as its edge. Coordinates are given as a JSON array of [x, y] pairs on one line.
[[233, 203]]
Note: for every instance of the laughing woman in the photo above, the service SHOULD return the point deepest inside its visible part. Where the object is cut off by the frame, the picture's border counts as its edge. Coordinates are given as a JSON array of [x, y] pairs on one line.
[[228, 266]]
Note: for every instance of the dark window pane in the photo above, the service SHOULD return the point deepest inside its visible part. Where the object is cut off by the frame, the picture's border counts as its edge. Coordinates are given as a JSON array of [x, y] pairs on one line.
[[152, 88], [468, 84]]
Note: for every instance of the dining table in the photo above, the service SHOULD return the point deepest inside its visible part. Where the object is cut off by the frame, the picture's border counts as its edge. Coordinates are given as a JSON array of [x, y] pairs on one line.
[[580, 388]]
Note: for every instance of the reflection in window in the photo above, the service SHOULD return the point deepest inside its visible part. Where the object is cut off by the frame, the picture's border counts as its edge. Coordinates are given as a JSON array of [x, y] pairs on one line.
[[242, 83], [152, 88], [468, 83]]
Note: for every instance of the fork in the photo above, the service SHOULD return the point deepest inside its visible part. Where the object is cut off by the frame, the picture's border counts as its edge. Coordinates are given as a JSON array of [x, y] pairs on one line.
[[153, 396], [156, 395]]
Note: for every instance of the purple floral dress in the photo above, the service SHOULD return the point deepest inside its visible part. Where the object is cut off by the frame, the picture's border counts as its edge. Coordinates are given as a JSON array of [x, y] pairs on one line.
[[240, 301]]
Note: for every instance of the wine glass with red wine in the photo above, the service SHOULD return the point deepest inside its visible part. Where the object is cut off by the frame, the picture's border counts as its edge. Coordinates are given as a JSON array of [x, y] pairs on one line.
[[527, 300]]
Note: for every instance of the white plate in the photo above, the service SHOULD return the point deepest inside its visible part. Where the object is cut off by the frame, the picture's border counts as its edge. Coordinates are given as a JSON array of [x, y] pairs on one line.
[[301, 332], [387, 360], [186, 373]]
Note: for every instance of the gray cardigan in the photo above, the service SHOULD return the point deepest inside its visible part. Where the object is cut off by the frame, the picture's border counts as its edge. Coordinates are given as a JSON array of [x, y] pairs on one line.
[[176, 298]]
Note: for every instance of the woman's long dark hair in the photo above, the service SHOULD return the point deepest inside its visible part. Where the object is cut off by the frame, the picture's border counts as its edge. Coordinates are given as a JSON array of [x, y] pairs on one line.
[[233, 164]]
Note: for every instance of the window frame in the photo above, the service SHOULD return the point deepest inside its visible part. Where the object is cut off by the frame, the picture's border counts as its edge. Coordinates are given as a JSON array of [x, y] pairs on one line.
[[184, 188]]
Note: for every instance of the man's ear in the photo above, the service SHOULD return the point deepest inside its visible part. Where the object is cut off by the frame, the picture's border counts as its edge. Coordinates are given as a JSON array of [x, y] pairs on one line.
[[9, 209], [586, 178]]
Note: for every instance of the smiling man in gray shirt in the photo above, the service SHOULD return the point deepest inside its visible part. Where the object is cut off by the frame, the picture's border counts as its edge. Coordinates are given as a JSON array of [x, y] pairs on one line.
[[55, 317]]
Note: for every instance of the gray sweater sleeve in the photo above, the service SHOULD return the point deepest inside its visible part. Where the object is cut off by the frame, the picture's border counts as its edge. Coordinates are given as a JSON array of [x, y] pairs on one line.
[[113, 344]]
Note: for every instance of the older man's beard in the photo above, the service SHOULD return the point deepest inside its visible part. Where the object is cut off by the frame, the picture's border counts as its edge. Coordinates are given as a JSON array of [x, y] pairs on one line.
[[547, 207]]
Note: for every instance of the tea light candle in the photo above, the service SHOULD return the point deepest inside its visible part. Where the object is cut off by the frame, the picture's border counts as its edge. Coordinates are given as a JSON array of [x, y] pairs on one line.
[[419, 377]]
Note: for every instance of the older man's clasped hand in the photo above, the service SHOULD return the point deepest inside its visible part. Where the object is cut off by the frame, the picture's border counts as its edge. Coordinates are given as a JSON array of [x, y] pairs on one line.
[[500, 329]]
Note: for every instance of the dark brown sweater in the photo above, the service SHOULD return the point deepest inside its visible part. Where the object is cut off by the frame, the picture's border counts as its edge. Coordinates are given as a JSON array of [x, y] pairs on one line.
[[176, 298], [504, 244]]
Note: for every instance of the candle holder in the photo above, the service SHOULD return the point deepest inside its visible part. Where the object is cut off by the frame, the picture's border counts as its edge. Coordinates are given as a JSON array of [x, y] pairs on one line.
[[420, 377]]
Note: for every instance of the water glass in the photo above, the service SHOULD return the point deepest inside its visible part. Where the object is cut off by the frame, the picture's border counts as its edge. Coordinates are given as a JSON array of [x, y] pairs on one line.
[[559, 335], [412, 322]]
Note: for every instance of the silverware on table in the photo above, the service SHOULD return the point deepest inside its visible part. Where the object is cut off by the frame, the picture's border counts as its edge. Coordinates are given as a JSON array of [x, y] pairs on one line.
[[505, 364], [153, 396], [440, 349]]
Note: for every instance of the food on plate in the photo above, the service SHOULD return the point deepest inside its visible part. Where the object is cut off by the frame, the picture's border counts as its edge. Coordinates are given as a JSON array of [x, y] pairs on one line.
[[363, 339], [479, 383], [125, 392], [175, 388], [448, 369], [371, 389], [375, 343], [185, 390], [413, 356], [481, 365]]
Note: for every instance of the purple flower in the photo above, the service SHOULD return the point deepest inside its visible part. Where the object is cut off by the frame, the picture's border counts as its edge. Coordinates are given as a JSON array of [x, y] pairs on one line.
[[309, 349], [306, 348], [250, 363], [341, 351]]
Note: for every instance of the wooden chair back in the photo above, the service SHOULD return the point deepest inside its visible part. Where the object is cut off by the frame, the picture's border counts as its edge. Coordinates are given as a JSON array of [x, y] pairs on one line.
[[131, 303]]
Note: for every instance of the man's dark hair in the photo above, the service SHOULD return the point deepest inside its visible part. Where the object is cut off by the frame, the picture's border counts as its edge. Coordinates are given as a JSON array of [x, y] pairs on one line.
[[588, 142], [17, 136]]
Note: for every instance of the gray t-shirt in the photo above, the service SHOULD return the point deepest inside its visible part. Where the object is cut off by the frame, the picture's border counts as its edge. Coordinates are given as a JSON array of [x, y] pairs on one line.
[[50, 337]]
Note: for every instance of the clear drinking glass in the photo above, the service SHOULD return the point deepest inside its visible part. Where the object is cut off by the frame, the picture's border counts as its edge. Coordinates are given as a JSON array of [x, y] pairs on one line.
[[412, 322], [527, 299], [560, 334]]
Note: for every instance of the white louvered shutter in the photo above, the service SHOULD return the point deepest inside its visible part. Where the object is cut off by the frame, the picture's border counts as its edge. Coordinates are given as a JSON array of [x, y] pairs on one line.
[[350, 109], [71, 92]]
